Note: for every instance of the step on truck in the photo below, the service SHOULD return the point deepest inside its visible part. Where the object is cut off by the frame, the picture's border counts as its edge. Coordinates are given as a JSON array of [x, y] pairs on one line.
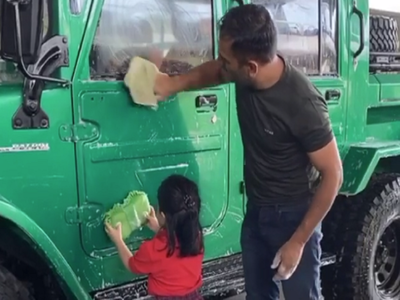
[[72, 143]]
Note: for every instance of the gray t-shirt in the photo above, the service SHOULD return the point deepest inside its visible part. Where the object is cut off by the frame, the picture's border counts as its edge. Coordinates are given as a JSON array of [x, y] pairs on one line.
[[279, 126]]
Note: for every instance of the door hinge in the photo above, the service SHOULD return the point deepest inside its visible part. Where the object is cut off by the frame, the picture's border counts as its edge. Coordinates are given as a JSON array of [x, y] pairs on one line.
[[84, 214], [82, 131]]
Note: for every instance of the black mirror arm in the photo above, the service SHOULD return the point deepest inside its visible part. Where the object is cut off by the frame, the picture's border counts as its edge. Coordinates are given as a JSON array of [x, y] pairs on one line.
[[21, 65]]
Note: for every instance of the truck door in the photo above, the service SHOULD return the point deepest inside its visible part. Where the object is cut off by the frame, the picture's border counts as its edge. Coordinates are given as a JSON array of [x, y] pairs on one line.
[[308, 39], [124, 147]]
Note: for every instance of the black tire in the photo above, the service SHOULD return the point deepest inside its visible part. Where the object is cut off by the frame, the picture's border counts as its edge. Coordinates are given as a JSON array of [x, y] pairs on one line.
[[372, 218], [383, 34], [11, 288]]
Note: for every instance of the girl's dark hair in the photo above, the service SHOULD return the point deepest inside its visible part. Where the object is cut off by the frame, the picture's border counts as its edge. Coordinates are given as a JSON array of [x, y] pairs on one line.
[[179, 200]]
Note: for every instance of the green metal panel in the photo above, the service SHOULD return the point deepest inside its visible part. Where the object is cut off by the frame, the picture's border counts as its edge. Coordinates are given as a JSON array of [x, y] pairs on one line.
[[38, 177], [99, 146], [359, 87], [337, 107], [132, 147], [37, 168], [137, 148], [362, 160]]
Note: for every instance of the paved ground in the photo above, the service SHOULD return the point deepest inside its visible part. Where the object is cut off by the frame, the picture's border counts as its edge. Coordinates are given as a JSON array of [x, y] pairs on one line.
[[238, 297], [242, 297]]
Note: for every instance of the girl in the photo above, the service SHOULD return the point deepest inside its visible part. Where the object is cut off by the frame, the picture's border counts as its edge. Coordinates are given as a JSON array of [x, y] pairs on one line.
[[173, 258]]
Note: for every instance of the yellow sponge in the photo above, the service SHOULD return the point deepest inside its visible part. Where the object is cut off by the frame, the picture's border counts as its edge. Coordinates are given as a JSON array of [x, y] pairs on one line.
[[140, 80]]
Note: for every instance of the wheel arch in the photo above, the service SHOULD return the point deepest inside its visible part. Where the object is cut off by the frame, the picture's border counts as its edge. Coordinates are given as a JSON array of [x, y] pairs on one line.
[[20, 226], [364, 160]]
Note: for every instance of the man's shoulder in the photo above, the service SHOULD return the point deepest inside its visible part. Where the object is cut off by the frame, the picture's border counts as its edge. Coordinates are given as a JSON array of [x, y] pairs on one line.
[[300, 85], [301, 91]]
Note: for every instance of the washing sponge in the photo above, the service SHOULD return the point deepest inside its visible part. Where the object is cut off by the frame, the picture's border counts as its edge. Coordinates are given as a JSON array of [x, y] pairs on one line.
[[140, 80], [132, 213]]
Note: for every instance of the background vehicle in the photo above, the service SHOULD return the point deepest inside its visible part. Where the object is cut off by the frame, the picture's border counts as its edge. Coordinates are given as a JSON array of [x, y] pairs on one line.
[[72, 143]]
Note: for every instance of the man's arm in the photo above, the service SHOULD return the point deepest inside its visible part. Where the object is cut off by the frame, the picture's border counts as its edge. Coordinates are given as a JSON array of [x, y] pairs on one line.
[[315, 135], [205, 75], [327, 162]]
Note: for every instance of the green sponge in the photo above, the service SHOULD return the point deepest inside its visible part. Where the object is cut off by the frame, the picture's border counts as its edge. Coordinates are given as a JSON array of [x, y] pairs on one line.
[[132, 213]]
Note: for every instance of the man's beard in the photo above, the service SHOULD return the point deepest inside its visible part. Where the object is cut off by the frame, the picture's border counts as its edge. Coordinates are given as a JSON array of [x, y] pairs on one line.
[[243, 80]]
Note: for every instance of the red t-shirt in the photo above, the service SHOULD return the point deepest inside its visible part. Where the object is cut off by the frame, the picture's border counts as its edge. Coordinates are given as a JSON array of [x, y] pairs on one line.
[[168, 276]]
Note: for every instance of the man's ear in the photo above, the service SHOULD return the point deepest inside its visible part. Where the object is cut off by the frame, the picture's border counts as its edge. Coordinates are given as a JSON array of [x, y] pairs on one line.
[[252, 68]]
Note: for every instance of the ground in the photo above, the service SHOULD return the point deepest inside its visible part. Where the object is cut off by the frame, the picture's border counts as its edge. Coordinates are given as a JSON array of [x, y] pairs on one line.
[[243, 297]]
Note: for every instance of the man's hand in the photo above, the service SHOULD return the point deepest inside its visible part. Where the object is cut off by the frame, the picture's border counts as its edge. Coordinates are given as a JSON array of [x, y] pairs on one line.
[[165, 86], [115, 233], [287, 259]]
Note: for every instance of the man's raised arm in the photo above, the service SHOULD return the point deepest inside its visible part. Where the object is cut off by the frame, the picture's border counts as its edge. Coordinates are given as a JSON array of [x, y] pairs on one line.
[[205, 75]]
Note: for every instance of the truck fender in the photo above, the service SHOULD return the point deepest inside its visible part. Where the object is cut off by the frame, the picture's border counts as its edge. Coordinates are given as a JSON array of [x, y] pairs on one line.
[[44, 243], [361, 161]]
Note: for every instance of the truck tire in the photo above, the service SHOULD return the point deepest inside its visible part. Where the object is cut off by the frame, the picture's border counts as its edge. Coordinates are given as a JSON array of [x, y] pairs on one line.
[[369, 262], [383, 34], [11, 288]]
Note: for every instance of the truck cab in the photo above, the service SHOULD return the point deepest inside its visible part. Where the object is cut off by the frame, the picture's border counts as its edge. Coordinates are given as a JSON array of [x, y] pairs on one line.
[[73, 143]]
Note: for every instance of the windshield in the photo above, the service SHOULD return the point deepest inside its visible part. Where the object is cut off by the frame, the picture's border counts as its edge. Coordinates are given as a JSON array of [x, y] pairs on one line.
[[306, 33], [176, 35]]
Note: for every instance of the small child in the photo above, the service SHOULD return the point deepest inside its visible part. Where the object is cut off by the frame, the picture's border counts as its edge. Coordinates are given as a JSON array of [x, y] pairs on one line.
[[173, 258]]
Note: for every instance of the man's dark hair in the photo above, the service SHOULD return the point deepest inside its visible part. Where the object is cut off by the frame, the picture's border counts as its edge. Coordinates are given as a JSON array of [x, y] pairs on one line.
[[252, 31]]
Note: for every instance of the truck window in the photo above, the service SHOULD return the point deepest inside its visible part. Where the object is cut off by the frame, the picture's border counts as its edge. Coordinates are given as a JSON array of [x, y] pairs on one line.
[[300, 39], [8, 71], [176, 35], [76, 6]]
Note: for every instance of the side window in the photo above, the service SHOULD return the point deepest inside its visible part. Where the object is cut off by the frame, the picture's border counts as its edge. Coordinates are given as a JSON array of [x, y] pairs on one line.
[[176, 35], [76, 6], [306, 37], [8, 71]]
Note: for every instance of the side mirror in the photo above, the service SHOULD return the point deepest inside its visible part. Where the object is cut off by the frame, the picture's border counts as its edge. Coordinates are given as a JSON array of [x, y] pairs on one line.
[[21, 30]]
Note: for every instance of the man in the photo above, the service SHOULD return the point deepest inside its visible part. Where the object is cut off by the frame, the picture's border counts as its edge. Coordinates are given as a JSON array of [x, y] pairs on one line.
[[292, 166]]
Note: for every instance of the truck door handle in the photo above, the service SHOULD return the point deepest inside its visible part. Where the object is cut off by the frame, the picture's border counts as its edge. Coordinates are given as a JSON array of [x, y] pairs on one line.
[[332, 95], [361, 19], [206, 102]]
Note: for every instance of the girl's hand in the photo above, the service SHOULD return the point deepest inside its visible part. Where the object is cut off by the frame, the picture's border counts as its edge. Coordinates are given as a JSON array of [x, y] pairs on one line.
[[115, 233], [152, 220]]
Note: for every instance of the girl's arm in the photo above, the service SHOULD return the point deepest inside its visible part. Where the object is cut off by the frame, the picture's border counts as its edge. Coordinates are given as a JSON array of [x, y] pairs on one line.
[[141, 262], [124, 253]]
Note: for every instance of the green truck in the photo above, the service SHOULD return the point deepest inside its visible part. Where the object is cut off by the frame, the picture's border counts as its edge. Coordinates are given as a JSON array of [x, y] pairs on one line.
[[72, 142]]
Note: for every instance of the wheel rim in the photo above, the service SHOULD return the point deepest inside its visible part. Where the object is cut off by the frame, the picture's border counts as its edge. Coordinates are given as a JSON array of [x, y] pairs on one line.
[[387, 261]]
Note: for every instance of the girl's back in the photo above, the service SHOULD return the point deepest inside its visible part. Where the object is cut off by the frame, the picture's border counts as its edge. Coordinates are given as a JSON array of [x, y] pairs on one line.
[[173, 258], [168, 275]]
